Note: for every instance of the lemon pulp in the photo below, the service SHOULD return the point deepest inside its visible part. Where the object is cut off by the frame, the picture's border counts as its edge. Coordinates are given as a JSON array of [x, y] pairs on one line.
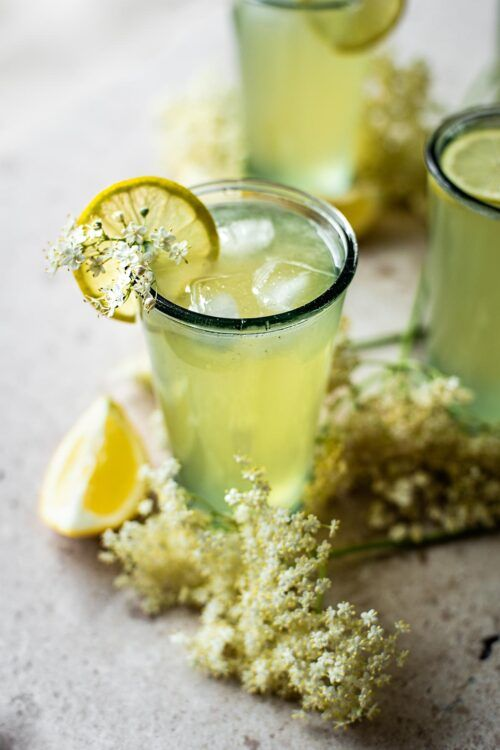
[[472, 162], [93, 480]]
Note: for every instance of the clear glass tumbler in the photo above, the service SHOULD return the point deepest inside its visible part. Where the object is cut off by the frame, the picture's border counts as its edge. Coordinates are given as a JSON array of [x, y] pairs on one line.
[[304, 65], [462, 272], [250, 386]]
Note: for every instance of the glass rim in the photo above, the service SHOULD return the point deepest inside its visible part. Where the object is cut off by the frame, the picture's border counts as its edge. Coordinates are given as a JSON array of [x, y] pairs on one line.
[[451, 126], [277, 320], [298, 5]]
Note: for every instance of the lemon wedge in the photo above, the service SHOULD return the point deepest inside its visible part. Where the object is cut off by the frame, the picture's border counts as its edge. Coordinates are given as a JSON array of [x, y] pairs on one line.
[[359, 25], [93, 480], [170, 205], [472, 162]]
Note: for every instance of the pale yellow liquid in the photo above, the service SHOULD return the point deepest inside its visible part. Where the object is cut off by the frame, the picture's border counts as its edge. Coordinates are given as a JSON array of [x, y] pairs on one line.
[[252, 393], [463, 287], [302, 98]]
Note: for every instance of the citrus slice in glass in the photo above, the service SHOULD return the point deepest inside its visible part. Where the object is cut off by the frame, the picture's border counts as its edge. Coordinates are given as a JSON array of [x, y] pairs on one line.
[[358, 25], [169, 205], [93, 480], [472, 163]]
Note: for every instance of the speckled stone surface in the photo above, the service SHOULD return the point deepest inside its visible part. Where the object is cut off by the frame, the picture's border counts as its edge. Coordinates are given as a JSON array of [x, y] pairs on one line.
[[79, 666]]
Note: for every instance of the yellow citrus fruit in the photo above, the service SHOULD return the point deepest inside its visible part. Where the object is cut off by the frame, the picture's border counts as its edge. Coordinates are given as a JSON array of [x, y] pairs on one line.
[[170, 205], [358, 25], [362, 207], [93, 480], [472, 162]]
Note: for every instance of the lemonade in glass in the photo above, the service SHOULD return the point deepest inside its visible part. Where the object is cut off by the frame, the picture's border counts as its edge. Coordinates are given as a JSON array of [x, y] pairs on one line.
[[462, 270], [241, 345], [304, 64]]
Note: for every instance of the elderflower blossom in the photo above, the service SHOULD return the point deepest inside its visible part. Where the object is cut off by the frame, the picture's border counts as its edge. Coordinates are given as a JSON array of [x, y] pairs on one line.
[[259, 577], [116, 295], [401, 446], [134, 233], [398, 116], [202, 133], [88, 246], [178, 251], [68, 251]]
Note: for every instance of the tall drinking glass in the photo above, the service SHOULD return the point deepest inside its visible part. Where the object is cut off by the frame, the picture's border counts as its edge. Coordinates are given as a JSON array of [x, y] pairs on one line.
[[303, 65], [253, 385], [462, 273]]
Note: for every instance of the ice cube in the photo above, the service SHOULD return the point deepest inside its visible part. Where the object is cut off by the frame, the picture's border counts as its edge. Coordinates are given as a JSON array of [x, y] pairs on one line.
[[245, 237], [212, 295], [282, 285]]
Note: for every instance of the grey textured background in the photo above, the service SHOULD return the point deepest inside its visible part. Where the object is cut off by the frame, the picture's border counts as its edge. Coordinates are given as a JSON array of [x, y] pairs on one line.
[[80, 81]]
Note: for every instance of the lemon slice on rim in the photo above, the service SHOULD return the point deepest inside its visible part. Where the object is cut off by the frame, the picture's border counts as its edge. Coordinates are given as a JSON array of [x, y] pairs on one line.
[[170, 205], [472, 162], [93, 480], [359, 25]]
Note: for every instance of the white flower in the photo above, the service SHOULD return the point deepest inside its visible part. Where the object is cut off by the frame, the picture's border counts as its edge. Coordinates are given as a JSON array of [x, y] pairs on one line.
[[344, 609], [168, 470], [96, 265], [162, 238], [142, 283], [232, 497], [337, 672], [77, 236], [375, 632], [165, 241], [134, 233], [71, 255], [178, 251], [370, 617], [116, 295], [68, 252], [126, 255]]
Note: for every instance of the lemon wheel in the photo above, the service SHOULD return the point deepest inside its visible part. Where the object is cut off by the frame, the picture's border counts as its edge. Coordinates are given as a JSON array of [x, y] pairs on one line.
[[358, 26], [472, 162], [169, 205]]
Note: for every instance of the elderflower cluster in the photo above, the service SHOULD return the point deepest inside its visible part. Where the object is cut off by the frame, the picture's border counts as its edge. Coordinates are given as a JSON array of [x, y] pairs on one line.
[[396, 442], [202, 133], [175, 556], [134, 250], [259, 577], [398, 117]]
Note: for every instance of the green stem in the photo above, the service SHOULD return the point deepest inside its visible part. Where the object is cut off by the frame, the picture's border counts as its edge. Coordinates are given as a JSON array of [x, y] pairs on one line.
[[377, 342], [415, 323], [382, 545]]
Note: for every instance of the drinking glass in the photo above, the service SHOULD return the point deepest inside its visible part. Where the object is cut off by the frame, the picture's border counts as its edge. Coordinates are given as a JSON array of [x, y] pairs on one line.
[[250, 386]]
